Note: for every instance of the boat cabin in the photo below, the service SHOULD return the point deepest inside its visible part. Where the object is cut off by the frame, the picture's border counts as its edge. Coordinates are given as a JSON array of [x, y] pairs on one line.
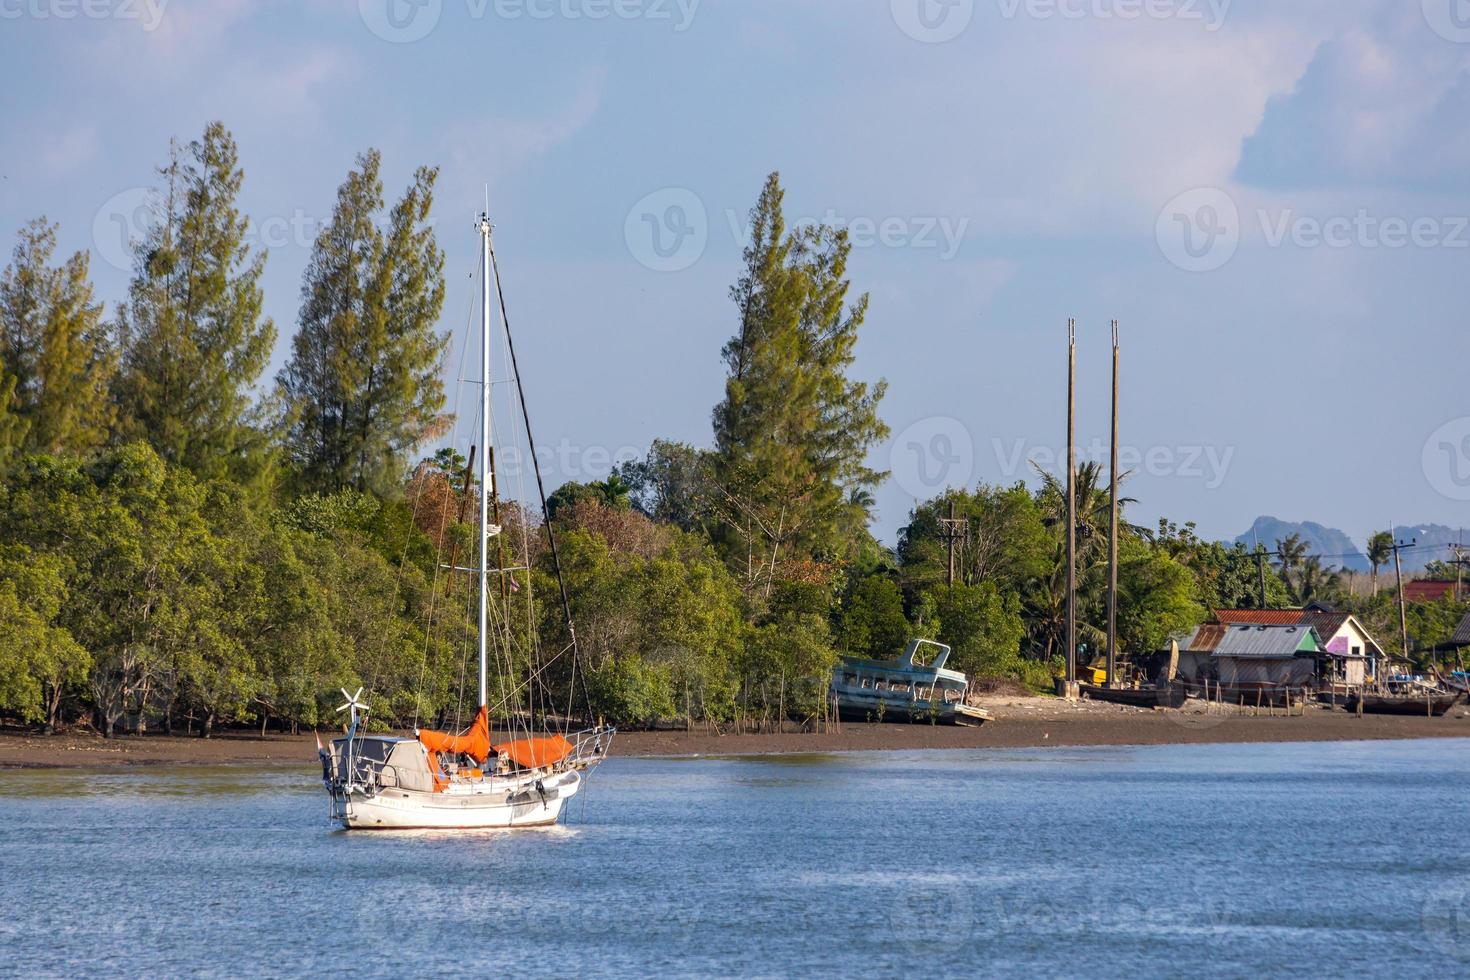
[[387, 760]]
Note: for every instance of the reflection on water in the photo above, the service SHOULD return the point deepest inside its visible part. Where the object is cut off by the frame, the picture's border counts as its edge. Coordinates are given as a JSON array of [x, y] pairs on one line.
[[1234, 860]]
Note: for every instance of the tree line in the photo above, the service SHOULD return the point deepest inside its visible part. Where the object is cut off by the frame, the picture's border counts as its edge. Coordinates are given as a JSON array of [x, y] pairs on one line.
[[187, 544]]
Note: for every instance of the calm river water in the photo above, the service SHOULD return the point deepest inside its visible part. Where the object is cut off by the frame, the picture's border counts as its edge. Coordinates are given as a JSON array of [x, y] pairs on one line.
[[1221, 860]]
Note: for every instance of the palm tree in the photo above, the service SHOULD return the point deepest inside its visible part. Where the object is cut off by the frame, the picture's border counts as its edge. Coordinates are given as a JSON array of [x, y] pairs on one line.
[[1316, 581], [1292, 552], [1093, 510], [1380, 550]]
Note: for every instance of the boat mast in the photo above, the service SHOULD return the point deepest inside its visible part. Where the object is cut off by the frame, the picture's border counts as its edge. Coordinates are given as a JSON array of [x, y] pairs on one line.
[[486, 476]]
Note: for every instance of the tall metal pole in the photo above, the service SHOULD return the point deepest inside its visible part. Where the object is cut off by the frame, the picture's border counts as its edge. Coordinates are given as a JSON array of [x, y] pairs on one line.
[[1398, 568], [1071, 651], [1113, 530], [486, 478]]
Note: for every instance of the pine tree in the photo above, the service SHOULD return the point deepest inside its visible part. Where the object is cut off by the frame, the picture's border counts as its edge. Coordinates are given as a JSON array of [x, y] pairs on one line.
[[363, 387], [53, 348], [793, 431], [192, 336]]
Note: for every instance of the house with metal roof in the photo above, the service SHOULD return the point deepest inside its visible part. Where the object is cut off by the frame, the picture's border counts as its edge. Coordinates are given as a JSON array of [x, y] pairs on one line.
[[1460, 639], [1297, 651], [1346, 643], [1261, 657], [1433, 590]]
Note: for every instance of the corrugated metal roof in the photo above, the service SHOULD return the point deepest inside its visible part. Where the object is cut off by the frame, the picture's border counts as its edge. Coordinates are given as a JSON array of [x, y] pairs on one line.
[[1270, 642], [1462, 633], [1204, 639], [1427, 590], [1327, 624], [1261, 617]]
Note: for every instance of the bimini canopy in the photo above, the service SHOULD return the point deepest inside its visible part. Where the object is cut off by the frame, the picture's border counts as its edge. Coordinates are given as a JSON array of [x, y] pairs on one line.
[[473, 742]]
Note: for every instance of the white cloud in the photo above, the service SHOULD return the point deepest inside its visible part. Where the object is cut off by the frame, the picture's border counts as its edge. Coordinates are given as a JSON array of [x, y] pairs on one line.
[[64, 152], [498, 146], [1379, 105]]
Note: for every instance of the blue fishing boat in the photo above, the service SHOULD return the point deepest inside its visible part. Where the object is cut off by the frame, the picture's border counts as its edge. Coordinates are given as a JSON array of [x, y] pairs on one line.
[[915, 687]]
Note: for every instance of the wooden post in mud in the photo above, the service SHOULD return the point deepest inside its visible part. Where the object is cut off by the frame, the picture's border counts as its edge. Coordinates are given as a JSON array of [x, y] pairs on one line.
[[1071, 649]]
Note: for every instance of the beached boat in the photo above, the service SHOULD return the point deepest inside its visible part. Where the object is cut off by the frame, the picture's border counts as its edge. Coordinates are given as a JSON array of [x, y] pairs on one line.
[[1167, 696], [464, 780], [916, 687], [1429, 704]]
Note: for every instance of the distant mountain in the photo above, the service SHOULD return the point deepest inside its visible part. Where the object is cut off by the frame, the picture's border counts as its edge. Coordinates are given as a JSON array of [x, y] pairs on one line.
[[1434, 541], [1335, 547], [1332, 543]]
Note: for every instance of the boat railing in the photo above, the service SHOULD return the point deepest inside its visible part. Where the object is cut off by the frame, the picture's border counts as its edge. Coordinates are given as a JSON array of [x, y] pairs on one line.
[[588, 747]]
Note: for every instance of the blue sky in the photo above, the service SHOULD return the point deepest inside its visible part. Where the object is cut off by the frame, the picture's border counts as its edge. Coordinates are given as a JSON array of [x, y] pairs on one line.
[[1271, 197]]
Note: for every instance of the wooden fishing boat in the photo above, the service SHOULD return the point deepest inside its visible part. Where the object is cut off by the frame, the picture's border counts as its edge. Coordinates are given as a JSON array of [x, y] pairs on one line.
[[1167, 696], [1425, 705]]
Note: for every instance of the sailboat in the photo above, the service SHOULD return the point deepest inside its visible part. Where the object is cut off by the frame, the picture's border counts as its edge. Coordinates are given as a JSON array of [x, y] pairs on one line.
[[464, 780]]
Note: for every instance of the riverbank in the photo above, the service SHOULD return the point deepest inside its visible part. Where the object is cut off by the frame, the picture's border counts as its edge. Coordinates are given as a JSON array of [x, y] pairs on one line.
[[1018, 723]]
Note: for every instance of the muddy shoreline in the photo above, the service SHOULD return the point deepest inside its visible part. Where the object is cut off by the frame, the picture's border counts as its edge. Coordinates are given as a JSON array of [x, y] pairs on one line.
[[1018, 723]]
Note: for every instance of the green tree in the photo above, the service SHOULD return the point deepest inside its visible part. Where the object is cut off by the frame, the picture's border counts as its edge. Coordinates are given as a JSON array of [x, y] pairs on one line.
[[1380, 551], [1291, 553], [192, 335], [39, 659], [871, 622], [983, 627], [1316, 582], [362, 388], [671, 485], [52, 343], [612, 493], [1006, 540], [793, 432], [1157, 597]]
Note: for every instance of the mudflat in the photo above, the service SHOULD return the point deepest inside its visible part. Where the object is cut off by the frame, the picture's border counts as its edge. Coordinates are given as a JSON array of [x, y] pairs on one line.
[[1018, 722]]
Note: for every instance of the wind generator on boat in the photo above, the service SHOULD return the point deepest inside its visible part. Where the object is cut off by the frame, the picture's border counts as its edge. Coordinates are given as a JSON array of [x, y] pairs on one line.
[[440, 780]]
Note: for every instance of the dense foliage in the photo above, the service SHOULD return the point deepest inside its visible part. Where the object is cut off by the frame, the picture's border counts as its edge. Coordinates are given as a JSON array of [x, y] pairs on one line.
[[181, 549]]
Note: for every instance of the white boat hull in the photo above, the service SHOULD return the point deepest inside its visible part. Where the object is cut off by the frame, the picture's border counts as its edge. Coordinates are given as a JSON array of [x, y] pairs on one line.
[[490, 804]]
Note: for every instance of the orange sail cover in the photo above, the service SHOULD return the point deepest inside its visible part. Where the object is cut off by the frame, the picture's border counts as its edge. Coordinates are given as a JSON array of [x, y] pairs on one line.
[[475, 742], [536, 753]]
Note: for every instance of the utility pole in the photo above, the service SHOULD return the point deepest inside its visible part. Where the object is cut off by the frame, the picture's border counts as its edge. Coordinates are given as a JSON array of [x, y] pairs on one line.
[[1460, 551], [1398, 567], [1071, 506], [956, 531], [1113, 530]]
